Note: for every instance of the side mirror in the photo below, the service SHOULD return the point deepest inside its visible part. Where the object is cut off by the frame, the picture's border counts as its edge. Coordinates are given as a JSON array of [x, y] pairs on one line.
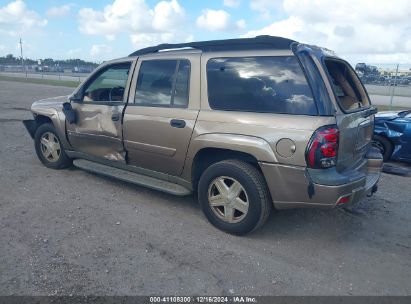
[[76, 98], [70, 113]]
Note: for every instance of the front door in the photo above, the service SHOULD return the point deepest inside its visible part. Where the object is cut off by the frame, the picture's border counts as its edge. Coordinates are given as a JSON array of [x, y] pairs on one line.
[[99, 109], [161, 113]]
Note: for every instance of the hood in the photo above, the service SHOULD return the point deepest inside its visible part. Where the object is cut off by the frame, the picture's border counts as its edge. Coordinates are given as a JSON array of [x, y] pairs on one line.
[[53, 102], [387, 115]]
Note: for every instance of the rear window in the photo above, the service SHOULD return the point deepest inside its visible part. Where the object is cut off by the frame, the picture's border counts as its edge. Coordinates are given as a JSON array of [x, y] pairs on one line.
[[347, 87], [259, 84]]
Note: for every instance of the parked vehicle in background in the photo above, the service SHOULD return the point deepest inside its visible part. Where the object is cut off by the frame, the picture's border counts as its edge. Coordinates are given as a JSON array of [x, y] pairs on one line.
[[248, 124], [392, 135], [81, 70], [56, 69], [403, 80], [41, 68]]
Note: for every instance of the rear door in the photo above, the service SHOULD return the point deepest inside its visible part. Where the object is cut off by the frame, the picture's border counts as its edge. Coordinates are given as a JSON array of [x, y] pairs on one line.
[[161, 112], [355, 119]]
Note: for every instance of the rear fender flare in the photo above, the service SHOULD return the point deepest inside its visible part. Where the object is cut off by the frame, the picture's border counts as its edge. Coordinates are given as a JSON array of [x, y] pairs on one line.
[[254, 146]]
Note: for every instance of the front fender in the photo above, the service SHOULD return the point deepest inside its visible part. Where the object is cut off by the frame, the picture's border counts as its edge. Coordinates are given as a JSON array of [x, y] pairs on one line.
[[380, 130], [58, 120]]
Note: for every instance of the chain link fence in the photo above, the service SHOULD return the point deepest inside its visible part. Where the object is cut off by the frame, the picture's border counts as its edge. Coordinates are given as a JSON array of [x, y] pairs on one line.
[[75, 74], [388, 85]]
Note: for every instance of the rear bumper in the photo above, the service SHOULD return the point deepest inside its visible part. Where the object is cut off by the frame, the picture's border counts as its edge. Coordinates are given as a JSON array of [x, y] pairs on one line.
[[297, 187]]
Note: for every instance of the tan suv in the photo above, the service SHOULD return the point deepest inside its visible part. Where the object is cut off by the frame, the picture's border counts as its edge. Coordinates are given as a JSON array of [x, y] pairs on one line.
[[249, 124]]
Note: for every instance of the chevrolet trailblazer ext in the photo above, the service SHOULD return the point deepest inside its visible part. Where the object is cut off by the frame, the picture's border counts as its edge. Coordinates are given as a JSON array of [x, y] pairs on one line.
[[248, 124]]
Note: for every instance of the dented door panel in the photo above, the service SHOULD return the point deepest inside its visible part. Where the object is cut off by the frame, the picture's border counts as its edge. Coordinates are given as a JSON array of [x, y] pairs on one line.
[[96, 133]]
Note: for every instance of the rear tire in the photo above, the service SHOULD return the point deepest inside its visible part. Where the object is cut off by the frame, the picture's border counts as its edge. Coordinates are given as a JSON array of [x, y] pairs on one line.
[[231, 184], [384, 145], [49, 149]]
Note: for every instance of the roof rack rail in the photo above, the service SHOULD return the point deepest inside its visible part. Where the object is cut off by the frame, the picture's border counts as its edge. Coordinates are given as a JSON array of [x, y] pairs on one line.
[[257, 43]]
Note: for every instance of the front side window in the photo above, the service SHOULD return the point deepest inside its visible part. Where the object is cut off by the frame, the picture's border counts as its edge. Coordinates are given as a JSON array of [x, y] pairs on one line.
[[109, 85], [163, 83], [259, 84]]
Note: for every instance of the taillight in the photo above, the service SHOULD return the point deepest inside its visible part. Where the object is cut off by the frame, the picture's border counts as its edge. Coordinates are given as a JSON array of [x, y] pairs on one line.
[[322, 149], [343, 200]]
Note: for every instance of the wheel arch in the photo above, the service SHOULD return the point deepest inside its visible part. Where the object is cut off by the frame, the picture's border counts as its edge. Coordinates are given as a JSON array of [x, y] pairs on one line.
[[212, 147], [42, 119], [56, 118], [208, 156], [387, 138]]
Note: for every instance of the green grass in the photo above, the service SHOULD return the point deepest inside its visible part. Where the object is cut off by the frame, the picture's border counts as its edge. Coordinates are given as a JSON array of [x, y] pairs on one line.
[[387, 108], [64, 83]]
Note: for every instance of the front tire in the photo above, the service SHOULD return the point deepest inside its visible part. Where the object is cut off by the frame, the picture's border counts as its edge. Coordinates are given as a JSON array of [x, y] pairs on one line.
[[234, 196], [384, 145], [49, 149]]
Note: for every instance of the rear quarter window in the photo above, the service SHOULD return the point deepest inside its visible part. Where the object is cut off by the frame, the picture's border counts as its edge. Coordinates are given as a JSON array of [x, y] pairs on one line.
[[259, 84], [347, 87]]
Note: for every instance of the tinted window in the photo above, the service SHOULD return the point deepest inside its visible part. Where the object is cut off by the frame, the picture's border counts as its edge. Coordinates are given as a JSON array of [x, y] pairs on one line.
[[259, 84], [163, 83], [109, 85], [182, 83]]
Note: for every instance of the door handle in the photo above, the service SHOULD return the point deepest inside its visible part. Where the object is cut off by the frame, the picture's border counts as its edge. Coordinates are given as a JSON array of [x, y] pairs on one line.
[[115, 117], [177, 123]]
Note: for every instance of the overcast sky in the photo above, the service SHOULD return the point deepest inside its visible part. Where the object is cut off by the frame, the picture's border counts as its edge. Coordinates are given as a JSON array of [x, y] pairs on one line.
[[372, 31]]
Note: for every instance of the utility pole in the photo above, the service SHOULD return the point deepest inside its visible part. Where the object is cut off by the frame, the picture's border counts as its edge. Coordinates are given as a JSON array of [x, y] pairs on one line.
[[393, 87], [21, 54]]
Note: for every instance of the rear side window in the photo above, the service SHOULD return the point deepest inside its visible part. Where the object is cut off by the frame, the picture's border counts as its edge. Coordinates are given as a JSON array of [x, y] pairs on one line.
[[259, 84], [163, 83]]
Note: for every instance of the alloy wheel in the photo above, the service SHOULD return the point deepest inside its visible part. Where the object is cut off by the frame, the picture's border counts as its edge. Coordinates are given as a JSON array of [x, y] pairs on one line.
[[228, 199], [50, 147]]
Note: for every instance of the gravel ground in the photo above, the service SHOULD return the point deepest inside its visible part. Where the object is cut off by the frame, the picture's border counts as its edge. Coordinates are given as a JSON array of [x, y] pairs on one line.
[[71, 232]]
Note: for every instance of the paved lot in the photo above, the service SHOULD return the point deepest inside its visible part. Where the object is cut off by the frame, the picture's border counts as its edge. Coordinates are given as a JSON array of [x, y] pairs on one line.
[[397, 101], [400, 90], [71, 232]]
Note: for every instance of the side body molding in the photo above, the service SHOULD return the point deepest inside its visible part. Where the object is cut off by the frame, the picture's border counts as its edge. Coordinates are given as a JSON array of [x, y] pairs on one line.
[[255, 146]]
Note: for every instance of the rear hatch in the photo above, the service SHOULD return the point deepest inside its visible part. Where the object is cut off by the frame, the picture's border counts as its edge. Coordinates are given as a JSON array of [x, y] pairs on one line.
[[356, 119]]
